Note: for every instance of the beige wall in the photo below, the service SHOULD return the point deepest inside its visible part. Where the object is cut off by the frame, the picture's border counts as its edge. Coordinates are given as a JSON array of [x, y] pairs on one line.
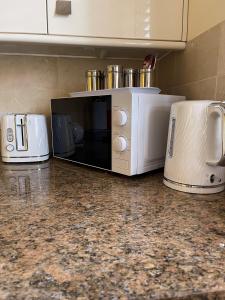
[[27, 83], [198, 72], [204, 14]]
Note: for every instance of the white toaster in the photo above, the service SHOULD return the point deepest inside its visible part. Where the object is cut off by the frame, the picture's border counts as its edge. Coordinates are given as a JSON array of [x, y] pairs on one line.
[[24, 138]]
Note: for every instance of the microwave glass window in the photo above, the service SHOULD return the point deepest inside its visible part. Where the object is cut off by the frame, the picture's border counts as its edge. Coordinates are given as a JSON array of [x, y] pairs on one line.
[[82, 130]]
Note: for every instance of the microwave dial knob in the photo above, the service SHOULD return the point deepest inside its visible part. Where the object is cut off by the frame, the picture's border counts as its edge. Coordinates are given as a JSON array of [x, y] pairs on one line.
[[119, 144], [120, 117]]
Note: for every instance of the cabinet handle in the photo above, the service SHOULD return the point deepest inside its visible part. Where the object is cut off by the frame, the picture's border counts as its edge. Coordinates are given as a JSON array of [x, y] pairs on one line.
[[63, 7]]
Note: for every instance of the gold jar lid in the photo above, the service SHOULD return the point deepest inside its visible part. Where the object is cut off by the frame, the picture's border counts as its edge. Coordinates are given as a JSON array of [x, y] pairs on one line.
[[144, 70], [114, 68], [93, 73]]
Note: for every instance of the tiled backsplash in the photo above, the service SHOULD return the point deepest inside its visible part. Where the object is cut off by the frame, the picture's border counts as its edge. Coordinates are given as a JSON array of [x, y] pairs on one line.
[[27, 83], [198, 72]]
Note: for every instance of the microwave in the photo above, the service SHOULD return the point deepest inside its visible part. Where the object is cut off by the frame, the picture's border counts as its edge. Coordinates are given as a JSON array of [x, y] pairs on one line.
[[120, 130]]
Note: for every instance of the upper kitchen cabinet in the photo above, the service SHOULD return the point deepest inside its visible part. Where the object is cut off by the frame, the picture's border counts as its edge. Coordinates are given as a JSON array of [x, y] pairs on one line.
[[160, 20], [93, 28], [23, 16]]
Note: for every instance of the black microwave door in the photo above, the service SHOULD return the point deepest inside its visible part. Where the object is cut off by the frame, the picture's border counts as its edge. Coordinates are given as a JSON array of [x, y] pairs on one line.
[[82, 130]]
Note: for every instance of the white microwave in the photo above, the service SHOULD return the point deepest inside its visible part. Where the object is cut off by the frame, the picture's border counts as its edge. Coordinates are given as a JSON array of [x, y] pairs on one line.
[[120, 130]]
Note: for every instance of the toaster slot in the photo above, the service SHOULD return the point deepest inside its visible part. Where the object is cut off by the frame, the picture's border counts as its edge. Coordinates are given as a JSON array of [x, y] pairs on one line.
[[21, 132]]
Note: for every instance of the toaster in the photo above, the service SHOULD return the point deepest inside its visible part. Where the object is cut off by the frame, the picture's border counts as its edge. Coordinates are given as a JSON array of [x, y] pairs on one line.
[[24, 138]]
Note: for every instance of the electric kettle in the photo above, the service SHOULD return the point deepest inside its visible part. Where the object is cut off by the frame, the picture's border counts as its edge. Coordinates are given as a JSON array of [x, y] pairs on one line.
[[24, 138], [195, 157]]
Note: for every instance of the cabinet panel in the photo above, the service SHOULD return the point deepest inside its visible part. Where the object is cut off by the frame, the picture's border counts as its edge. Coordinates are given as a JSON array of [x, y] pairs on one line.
[[159, 19], [96, 18], [23, 16], [133, 19]]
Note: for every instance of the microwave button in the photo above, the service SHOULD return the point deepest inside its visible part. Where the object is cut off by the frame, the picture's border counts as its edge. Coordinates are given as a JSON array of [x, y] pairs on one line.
[[120, 117], [121, 164], [125, 155], [10, 148]]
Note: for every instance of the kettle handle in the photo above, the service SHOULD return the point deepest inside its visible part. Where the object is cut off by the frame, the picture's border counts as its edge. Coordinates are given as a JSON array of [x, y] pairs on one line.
[[216, 130]]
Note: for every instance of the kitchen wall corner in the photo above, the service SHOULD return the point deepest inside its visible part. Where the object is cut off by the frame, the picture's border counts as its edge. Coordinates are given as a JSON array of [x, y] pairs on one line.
[[198, 72]]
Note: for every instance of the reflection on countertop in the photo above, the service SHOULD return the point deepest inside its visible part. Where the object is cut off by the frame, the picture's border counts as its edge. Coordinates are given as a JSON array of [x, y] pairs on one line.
[[71, 232], [21, 180]]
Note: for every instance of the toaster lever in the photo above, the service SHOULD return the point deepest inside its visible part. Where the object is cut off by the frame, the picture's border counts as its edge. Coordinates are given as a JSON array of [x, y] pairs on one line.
[[21, 132]]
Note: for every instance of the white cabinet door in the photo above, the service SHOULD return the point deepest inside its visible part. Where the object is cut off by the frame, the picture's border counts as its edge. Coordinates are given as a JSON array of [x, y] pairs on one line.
[[159, 19], [23, 16], [137, 19]]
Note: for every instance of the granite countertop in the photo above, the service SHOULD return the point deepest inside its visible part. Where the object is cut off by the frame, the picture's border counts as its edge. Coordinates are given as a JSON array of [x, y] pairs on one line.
[[71, 232]]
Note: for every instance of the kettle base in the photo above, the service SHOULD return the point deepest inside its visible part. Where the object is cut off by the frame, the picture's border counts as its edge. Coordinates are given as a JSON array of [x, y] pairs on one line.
[[193, 189]]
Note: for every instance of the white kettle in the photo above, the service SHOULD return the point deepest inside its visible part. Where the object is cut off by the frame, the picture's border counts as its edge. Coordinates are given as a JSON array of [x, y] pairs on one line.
[[195, 157]]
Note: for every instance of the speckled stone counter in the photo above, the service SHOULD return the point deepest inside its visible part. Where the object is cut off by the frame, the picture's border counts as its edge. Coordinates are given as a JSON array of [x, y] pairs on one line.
[[70, 232]]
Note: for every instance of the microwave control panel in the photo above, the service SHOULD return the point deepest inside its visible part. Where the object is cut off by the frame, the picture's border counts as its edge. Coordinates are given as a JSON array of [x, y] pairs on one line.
[[122, 122]]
